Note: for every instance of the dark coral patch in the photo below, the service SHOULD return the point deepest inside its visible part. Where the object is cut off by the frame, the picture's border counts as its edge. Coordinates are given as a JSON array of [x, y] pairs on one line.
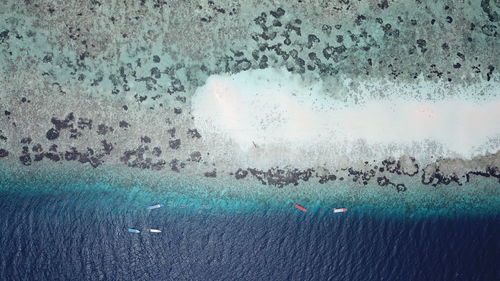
[[52, 134], [489, 30], [174, 165], [193, 133], [124, 124], [38, 157], [71, 155], [74, 134], [242, 65], [156, 151], [171, 132], [211, 174], [37, 148], [195, 156], [136, 158], [53, 156], [437, 177], [174, 144], [384, 4], [108, 147], [84, 123], [327, 178], [102, 129], [25, 159], [63, 124], [240, 174], [280, 177], [278, 13]]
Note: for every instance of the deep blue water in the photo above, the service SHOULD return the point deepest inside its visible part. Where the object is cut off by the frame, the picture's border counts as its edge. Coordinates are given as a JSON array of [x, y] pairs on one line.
[[60, 234]]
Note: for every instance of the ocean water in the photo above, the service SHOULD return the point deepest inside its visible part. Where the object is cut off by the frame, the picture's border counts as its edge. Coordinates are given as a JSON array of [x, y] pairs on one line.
[[78, 231]]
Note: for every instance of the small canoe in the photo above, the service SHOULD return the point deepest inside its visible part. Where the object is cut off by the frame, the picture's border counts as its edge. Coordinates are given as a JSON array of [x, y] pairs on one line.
[[133, 230], [155, 230], [155, 206], [339, 210], [300, 208]]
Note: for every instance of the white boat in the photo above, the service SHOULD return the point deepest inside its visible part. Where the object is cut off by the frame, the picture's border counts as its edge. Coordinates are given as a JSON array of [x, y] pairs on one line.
[[155, 206], [339, 210], [155, 230], [133, 230]]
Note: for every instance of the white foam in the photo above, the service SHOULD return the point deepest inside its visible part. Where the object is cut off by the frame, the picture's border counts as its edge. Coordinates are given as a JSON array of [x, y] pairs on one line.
[[274, 108]]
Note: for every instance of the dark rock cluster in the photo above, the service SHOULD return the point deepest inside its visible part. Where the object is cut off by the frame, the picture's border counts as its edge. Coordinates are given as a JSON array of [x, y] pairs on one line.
[[144, 158]]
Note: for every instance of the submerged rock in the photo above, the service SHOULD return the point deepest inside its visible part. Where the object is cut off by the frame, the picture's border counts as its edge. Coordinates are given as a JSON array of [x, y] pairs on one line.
[[52, 134]]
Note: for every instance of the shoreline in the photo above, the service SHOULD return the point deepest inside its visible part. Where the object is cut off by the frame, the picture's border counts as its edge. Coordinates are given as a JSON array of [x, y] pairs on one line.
[[229, 195]]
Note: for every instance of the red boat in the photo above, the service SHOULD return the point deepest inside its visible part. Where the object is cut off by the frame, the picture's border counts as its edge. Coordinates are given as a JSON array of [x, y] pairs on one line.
[[340, 210], [300, 208]]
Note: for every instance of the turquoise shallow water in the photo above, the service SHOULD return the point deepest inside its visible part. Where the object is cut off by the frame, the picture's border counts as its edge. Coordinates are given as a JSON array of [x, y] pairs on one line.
[[198, 195]]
